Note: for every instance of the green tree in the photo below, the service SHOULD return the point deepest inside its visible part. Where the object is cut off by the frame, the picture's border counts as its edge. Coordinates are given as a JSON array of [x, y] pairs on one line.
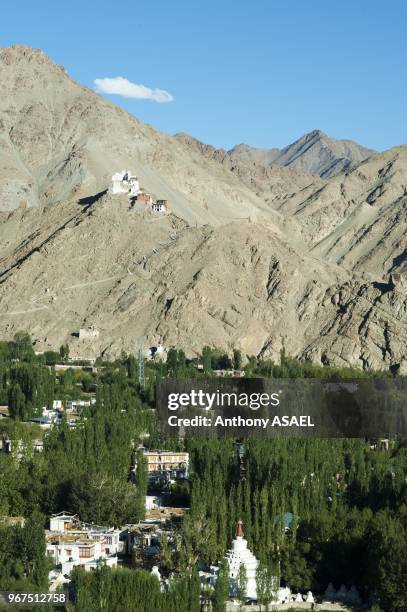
[[265, 584], [64, 352], [172, 360], [207, 359], [17, 403], [242, 584], [221, 591], [21, 347], [237, 359], [387, 573]]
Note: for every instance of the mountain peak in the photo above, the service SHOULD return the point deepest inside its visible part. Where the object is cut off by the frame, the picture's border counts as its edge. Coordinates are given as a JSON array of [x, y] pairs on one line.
[[316, 134], [314, 153], [17, 53]]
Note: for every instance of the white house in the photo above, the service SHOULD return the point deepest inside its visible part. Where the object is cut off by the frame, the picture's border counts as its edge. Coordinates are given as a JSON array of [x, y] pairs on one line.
[[72, 543], [69, 551], [153, 502], [160, 206], [51, 414], [73, 405], [60, 523]]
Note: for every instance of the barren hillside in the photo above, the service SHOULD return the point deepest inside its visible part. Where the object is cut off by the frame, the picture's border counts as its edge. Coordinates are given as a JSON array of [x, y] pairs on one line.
[[252, 256], [60, 139]]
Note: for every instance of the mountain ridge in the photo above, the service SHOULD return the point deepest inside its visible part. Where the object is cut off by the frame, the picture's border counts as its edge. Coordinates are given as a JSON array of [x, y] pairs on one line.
[[252, 256], [313, 153]]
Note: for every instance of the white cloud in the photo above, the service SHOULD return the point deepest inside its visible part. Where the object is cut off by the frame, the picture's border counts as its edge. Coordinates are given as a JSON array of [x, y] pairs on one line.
[[122, 87]]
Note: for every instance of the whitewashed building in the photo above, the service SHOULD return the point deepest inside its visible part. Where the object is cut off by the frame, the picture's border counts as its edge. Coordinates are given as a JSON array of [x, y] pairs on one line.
[[72, 543], [153, 502], [124, 182], [75, 405], [69, 551], [160, 206]]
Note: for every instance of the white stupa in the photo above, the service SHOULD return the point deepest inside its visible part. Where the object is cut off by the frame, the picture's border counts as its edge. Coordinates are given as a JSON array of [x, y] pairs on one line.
[[239, 555]]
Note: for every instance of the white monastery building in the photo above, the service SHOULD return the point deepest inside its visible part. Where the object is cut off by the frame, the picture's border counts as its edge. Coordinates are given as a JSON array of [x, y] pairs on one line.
[[124, 182], [239, 555]]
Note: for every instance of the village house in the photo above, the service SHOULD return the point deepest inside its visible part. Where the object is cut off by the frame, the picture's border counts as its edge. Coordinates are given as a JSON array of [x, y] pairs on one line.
[[160, 206], [72, 543], [76, 405], [174, 463], [153, 502], [229, 373], [48, 417], [8, 445]]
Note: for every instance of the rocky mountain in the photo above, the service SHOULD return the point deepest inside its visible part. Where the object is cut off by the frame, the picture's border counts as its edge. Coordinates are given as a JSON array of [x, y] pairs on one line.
[[271, 182], [315, 153], [358, 219], [62, 140], [252, 256]]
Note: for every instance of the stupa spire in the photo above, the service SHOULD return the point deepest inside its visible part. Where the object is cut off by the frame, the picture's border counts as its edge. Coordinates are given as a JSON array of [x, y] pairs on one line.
[[239, 529]]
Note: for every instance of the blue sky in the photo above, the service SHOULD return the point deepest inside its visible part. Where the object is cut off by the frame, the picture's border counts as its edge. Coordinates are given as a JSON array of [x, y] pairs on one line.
[[258, 71]]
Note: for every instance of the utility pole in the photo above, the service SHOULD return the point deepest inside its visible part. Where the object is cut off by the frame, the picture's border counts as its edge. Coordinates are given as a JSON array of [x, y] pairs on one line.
[[140, 362]]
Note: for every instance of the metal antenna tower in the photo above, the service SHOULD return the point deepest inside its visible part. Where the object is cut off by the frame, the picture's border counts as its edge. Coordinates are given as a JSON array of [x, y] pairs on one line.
[[140, 362]]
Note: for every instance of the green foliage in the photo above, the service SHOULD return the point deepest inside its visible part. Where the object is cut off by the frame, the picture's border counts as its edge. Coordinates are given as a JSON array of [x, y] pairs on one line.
[[23, 564], [29, 387], [133, 591], [64, 352], [387, 563], [21, 348], [266, 583], [242, 584], [237, 359], [221, 591], [347, 502]]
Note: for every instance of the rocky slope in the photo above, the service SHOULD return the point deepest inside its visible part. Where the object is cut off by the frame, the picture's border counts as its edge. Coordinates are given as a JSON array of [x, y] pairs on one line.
[[252, 256], [314, 153], [358, 219], [59, 139], [270, 182]]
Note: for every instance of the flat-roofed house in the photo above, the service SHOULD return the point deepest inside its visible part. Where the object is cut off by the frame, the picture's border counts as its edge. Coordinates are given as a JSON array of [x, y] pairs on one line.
[[166, 461]]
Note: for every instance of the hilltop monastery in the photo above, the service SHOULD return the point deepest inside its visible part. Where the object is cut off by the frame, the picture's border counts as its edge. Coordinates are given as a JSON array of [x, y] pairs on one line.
[[126, 182]]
